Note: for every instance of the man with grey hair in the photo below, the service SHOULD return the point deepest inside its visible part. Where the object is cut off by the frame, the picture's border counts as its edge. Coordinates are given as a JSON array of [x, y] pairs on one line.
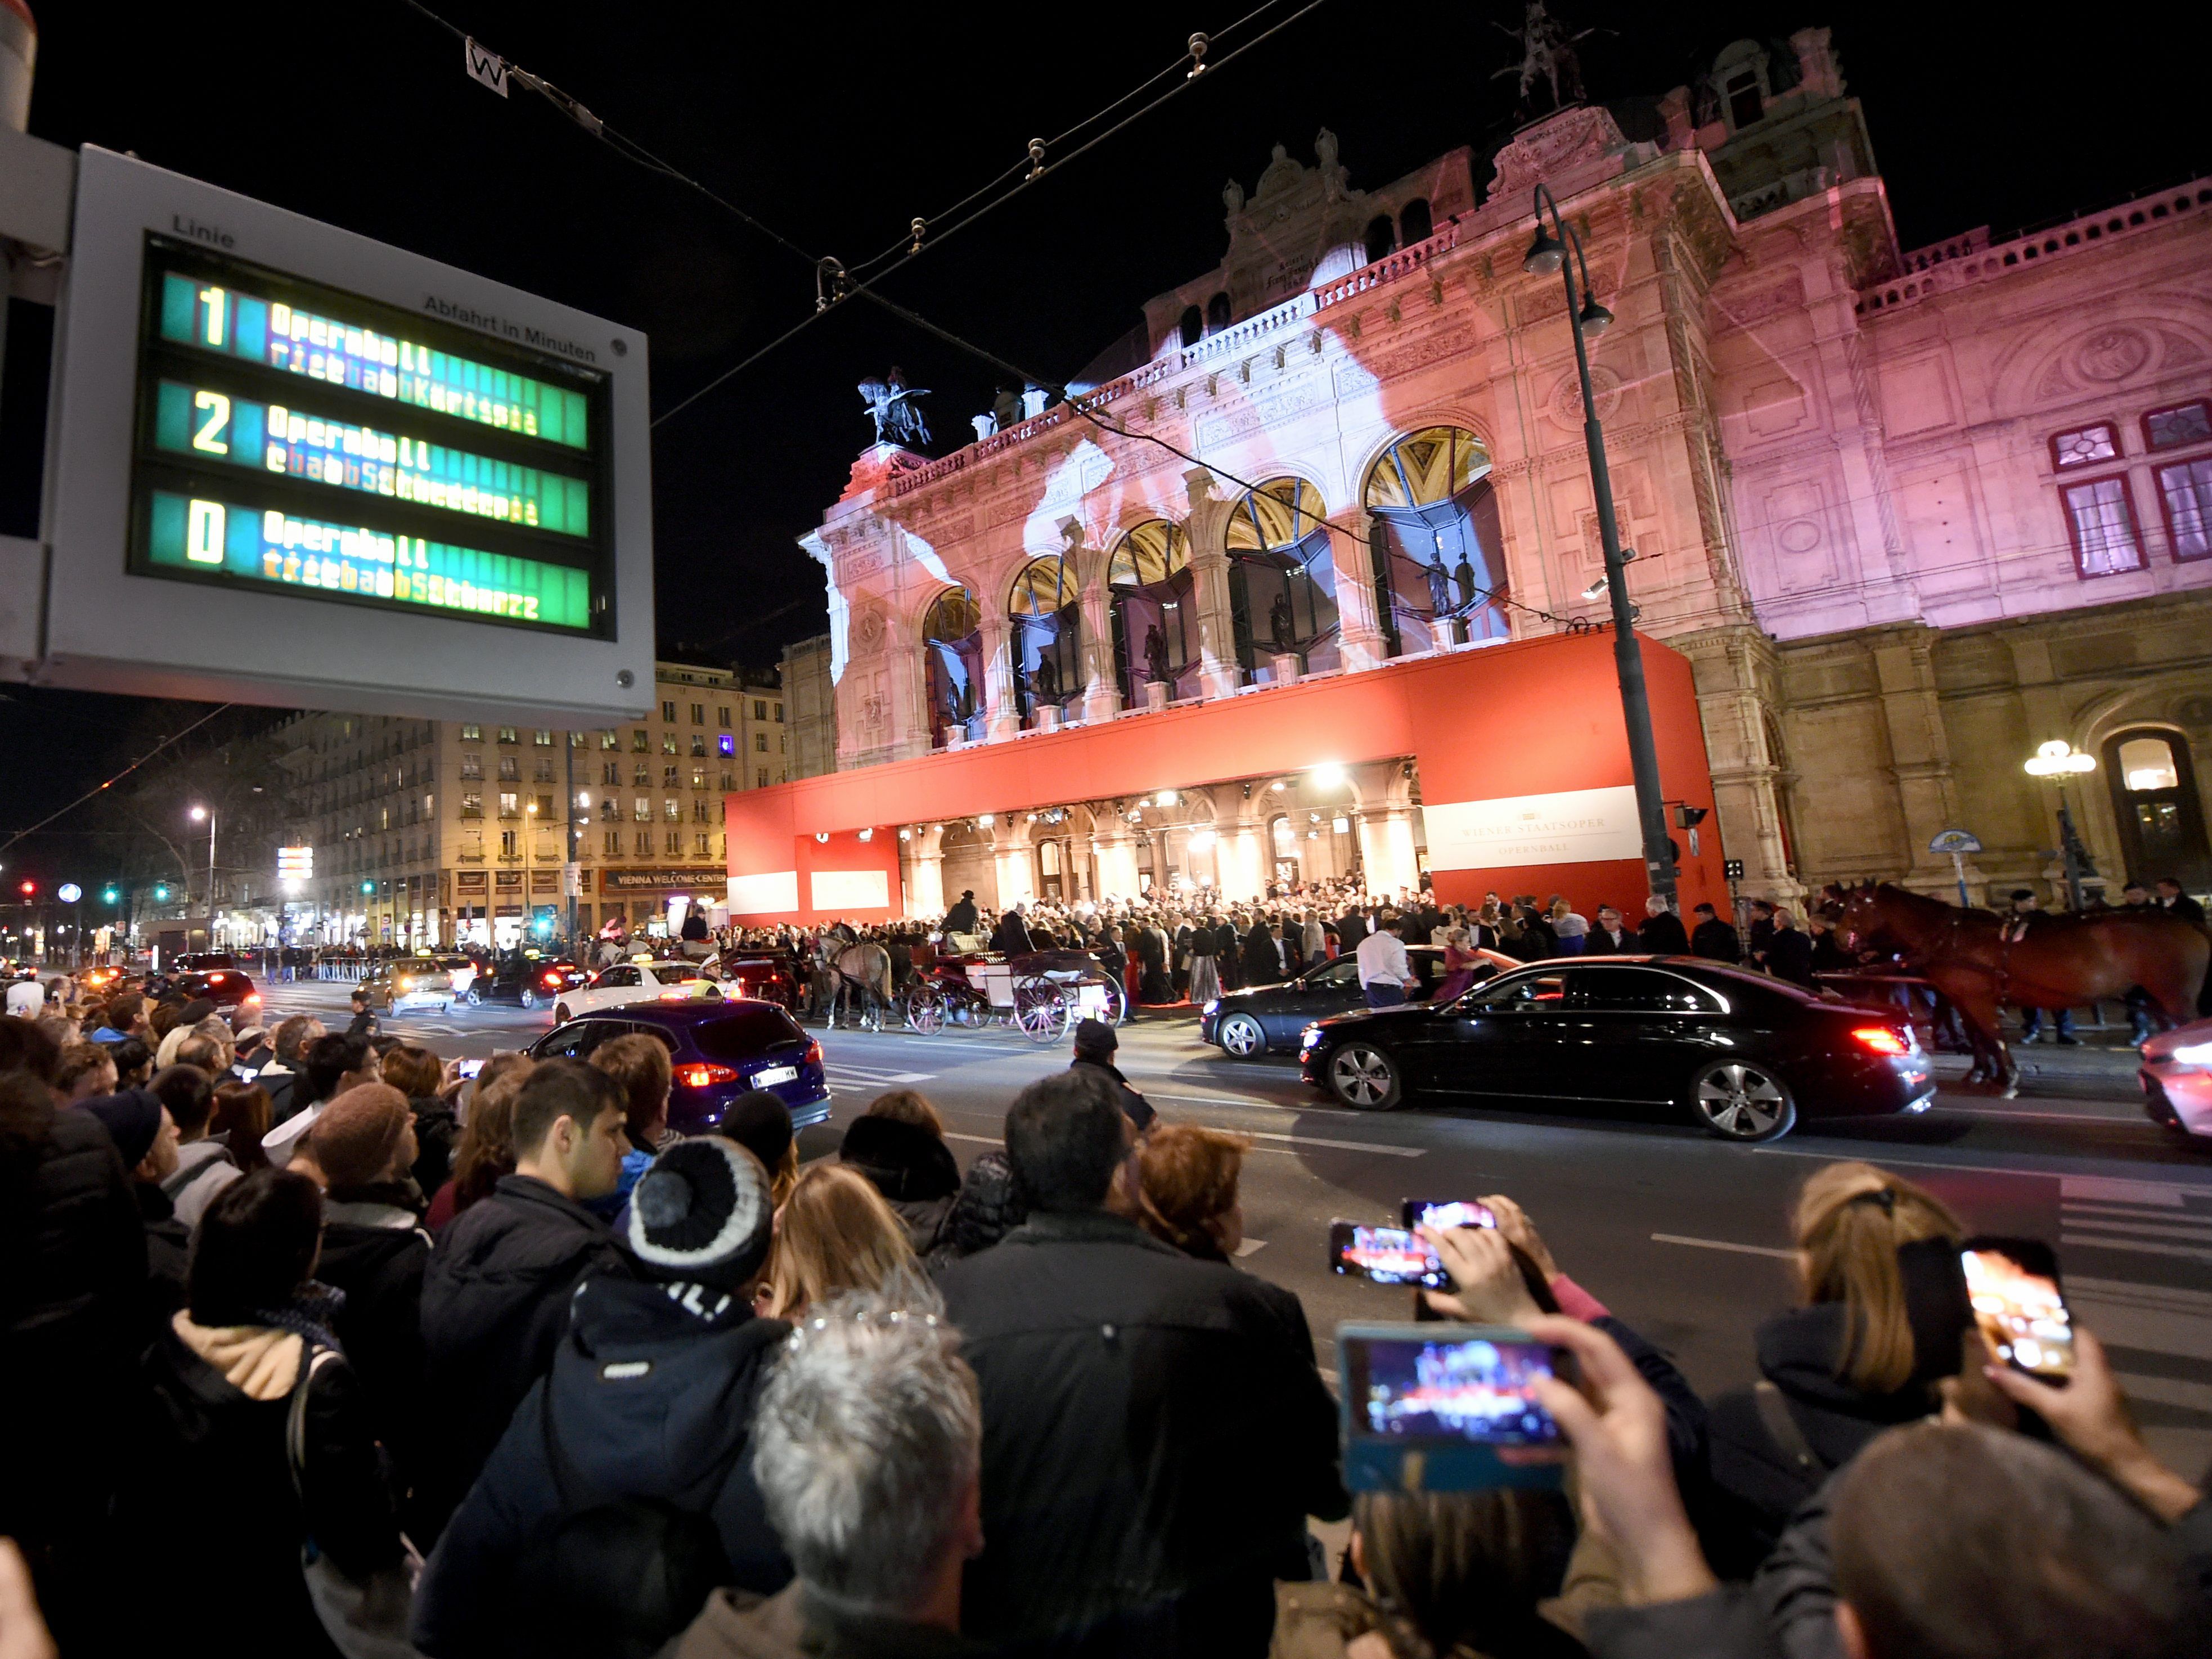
[[868, 1449]]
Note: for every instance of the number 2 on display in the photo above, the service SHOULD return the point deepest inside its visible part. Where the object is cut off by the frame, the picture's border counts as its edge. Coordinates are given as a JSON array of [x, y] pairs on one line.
[[210, 437]]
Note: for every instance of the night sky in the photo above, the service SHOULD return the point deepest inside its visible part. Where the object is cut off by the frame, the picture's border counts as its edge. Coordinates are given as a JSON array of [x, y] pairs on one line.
[[839, 124]]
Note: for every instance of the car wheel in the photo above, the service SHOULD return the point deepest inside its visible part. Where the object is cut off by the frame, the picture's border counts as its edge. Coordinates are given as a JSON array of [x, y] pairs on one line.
[[1240, 1037], [475, 998], [527, 997], [1364, 1078], [1741, 1100], [560, 1015]]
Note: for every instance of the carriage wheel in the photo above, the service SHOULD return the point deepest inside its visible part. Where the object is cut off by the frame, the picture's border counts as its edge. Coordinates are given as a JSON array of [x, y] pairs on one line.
[[1117, 1002], [969, 1013], [924, 1011], [1041, 1011]]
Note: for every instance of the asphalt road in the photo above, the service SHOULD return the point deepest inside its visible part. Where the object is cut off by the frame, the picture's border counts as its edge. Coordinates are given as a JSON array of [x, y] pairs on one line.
[[1680, 1234]]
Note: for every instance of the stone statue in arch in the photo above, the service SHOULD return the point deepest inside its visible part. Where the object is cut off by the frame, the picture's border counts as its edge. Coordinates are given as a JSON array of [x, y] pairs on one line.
[[1233, 197]]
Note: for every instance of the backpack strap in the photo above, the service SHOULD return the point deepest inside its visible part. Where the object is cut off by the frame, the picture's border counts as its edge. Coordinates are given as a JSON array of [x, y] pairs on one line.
[[312, 1358], [1782, 1429]]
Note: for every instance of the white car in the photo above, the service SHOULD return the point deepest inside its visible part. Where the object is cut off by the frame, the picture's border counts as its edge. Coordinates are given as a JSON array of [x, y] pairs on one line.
[[624, 982]]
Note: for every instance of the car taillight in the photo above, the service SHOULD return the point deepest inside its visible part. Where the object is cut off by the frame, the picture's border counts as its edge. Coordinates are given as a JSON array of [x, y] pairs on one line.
[[1884, 1040], [701, 1074], [215, 979], [675, 996], [552, 979], [252, 996], [814, 1054]]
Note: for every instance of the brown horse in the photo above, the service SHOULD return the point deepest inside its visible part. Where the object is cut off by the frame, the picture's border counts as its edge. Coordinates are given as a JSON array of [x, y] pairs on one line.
[[2059, 961]]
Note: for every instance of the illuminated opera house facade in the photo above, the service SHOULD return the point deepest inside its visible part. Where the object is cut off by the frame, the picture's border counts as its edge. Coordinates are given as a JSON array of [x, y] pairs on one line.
[[1900, 515]]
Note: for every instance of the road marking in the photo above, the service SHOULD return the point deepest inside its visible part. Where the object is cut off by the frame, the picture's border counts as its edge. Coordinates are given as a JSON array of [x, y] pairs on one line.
[[2167, 1391], [2121, 1189], [1315, 1141], [1250, 1247], [980, 1140], [1724, 1244], [871, 1074], [2139, 1227], [2068, 1183], [2077, 1241], [1994, 1112], [1255, 1103]]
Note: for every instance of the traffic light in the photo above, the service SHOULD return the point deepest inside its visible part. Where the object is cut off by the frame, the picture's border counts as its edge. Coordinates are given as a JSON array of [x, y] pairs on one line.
[[29, 888], [369, 887], [160, 892], [109, 896]]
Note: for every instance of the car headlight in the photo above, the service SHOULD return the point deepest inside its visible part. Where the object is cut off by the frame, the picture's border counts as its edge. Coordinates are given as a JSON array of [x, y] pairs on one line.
[[1212, 1008], [1310, 1038], [2194, 1054]]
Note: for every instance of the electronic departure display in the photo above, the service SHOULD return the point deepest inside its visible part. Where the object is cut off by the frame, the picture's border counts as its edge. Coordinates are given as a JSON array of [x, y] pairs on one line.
[[293, 437]]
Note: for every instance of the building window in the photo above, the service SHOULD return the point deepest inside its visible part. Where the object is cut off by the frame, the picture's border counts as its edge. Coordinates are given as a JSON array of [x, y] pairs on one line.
[[506, 839], [698, 714], [576, 739], [698, 777], [673, 810], [779, 711], [1282, 580], [509, 771], [640, 742], [610, 773], [699, 744], [542, 738], [729, 781], [643, 843], [545, 809], [760, 780], [2102, 523], [723, 716], [1745, 104], [641, 810], [760, 742], [509, 803], [472, 804], [507, 734], [2184, 423], [542, 772], [610, 739], [668, 777], [1191, 328], [667, 742], [668, 712], [472, 766], [611, 844], [1217, 313], [472, 734], [699, 813], [643, 776], [725, 745], [703, 844], [675, 844], [2185, 489], [2085, 445], [610, 809], [760, 708]]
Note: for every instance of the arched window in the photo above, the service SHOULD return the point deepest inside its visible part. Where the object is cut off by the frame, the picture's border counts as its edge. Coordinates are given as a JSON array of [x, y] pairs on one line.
[[2156, 807], [1217, 313], [1046, 631], [1283, 844], [952, 641], [1415, 223], [1381, 237], [1153, 597], [1282, 580], [1194, 325], [1433, 518]]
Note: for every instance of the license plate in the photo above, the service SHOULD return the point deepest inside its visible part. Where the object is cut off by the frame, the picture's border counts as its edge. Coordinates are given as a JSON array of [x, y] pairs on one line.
[[773, 1075]]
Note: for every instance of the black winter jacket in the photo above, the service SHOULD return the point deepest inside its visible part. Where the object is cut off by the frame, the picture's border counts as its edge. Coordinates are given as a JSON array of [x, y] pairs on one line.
[[989, 1206], [1663, 935], [71, 1317], [664, 1424], [1759, 1484], [1716, 941], [1134, 1106], [168, 1253], [375, 1250], [1153, 1440], [911, 1168], [494, 1302], [436, 1133], [212, 1466]]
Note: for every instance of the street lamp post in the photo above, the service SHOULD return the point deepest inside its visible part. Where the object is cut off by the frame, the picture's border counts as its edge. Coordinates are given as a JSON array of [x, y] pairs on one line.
[[1586, 317], [2055, 762], [208, 812]]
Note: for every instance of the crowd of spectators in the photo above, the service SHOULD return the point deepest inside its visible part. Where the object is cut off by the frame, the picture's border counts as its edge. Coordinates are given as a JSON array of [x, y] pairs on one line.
[[314, 1346]]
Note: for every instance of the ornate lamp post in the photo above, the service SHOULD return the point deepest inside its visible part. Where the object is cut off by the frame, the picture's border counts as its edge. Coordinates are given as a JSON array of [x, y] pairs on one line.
[[2056, 761], [1548, 253]]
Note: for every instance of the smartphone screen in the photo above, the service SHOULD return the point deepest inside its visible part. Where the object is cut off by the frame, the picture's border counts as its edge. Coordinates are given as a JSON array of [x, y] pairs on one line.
[[2020, 1313], [1479, 1388], [1441, 1212], [468, 1067], [1386, 1255]]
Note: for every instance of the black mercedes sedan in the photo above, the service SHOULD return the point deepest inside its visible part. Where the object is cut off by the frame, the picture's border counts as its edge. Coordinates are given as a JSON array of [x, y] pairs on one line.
[[1739, 1054], [1265, 1019]]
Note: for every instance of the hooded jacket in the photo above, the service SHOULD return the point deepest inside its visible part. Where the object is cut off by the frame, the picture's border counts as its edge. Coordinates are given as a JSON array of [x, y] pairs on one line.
[[650, 1394], [205, 1167], [911, 1168], [494, 1302], [1154, 1438], [1759, 1483], [988, 1207], [375, 1250]]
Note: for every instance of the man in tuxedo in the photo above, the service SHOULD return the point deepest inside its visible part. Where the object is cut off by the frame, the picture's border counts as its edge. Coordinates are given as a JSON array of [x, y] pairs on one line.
[[1608, 937]]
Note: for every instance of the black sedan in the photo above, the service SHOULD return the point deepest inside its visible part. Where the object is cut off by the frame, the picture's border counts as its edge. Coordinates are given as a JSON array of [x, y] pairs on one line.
[[1265, 1019], [527, 983], [1739, 1054], [226, 988]]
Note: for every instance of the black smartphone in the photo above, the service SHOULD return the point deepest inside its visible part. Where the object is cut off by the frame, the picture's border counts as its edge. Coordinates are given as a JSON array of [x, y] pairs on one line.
[[1441, 1212], [2013, 1285], [1425, 1410], [1384, 1255]]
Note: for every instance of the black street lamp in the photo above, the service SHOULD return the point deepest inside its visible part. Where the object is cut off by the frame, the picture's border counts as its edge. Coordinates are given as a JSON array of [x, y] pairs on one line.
[[1546, 254]]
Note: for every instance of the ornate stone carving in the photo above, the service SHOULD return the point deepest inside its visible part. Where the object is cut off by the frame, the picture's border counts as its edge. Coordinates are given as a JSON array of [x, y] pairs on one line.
[[2111, 353], [1553, 145], [1799, 536], [868, 630], [1565, 405]]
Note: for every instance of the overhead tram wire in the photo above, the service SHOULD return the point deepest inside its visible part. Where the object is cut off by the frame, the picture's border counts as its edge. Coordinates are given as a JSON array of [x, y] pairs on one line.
[[177, 738]]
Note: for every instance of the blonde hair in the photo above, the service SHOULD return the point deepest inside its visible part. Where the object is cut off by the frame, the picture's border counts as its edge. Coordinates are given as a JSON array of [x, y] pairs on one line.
[[1850, 1219], [907, 1106], [834, 1234]]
